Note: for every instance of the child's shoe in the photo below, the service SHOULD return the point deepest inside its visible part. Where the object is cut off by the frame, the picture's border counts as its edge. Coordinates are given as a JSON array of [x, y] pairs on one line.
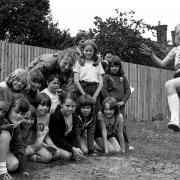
[[6, 176], [174, 125]]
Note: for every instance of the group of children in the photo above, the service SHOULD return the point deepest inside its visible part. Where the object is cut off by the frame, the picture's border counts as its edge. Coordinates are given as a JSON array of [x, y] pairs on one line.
[[44, 124]]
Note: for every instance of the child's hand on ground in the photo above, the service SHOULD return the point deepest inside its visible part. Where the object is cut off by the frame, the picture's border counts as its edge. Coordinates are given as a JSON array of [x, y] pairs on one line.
[[77, 153]]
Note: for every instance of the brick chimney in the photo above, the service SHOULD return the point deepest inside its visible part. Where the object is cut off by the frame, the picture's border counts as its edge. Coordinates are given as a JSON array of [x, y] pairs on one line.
[[161, 33], [173, 37]]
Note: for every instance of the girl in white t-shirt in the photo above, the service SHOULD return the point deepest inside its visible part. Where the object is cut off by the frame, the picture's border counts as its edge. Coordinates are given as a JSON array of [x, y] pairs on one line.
[[88, 72]]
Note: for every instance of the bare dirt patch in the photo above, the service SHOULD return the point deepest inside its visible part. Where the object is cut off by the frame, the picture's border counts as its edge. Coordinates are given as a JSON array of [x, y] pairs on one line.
[[156, 157]]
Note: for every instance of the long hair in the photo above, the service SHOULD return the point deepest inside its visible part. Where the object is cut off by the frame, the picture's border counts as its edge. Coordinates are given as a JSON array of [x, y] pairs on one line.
[[82, 59], [116, 61], [33, 116], [112, 103], [20, 74], [36, 75]]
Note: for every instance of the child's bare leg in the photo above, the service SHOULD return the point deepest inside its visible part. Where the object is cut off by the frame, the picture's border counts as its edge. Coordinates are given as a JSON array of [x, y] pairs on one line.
[[62, 154], [97, 147], [5, 139], [12, 162], [173, 101], [83, 145], [99, 141], [43, 155], [115, 144]]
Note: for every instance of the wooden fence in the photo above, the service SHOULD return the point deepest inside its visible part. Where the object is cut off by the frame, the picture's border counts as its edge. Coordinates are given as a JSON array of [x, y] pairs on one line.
[[148, 101]]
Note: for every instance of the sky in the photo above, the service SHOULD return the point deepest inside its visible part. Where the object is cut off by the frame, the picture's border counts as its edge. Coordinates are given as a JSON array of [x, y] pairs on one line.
[[79, 14]]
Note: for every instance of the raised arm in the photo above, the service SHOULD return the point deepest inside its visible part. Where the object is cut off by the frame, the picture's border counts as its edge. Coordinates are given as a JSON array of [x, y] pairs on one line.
[[150, 53]]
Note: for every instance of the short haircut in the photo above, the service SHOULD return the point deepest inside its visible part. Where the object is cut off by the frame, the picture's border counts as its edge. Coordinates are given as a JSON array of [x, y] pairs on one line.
[[109, 51], [51, 77], [85, 100]]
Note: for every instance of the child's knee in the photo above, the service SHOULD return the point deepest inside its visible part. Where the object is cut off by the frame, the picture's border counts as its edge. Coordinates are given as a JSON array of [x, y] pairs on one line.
[[111, 150], [169, 84], [117, 149], [84, 149], [12, 164], [47, 157], [62, 154], [5, 137]]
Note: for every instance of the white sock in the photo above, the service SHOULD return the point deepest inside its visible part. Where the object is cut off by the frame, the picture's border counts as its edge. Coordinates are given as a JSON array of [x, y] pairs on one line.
[[3, 168], [173, 101]]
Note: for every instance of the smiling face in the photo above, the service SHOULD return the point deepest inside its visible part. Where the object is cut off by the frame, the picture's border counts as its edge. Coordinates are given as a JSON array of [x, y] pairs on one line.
[[28, 121], [108, 111], [85, 111], [177, 35], [42, 110], [17, 84], [88, 52], [68, 107], [15, 116]]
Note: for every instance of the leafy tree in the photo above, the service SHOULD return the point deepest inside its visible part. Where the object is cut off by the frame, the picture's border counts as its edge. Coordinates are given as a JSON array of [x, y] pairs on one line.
[[123, 34], [30, 22]]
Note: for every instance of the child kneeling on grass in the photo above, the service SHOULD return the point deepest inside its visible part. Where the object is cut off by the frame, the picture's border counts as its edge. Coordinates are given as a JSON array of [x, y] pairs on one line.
[[12, 148], [109, 134], [87, 123]]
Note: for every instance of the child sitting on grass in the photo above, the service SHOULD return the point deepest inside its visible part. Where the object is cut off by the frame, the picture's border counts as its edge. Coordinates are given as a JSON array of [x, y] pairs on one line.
[[12, 149], [64, 126]]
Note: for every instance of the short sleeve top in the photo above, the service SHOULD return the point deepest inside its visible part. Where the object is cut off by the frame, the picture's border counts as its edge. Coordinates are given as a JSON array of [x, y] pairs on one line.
[[88, 72]]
